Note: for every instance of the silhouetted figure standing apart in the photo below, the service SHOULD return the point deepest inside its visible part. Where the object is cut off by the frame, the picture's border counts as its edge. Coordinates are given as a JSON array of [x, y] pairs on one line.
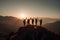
[[32, 21], [36, 21], [40, 22], [24, 21], [28, 22]]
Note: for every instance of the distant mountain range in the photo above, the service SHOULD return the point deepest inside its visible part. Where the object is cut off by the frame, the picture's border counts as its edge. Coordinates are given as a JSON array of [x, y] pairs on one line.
[[9, 23], [54, 27], [49, 20]]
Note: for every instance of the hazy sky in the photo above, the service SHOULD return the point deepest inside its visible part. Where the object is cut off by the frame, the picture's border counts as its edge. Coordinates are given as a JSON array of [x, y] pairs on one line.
[[44, 8]]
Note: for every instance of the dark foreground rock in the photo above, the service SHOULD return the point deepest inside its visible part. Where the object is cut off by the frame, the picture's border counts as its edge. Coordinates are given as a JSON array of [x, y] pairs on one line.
[[31, 32]]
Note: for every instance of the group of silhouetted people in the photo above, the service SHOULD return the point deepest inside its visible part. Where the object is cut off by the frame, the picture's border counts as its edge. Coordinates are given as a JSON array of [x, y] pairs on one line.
[[32, 21]]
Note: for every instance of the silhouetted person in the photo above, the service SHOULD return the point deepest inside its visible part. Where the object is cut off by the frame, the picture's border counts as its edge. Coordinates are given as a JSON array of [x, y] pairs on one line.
[[28, 21], [40, 22], [32, 21], [36, 21], [24, 21]]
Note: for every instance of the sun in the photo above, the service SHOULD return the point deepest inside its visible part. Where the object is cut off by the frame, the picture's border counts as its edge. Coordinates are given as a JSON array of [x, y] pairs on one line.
[[23, 16]]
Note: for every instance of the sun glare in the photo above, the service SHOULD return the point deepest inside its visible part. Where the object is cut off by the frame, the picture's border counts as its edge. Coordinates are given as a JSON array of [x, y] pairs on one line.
[[23, 16]]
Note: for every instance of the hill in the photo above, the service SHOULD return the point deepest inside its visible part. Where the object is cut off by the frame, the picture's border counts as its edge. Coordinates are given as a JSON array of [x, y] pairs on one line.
[[9, 23], [54, 27], [49, 20], [33, 32]]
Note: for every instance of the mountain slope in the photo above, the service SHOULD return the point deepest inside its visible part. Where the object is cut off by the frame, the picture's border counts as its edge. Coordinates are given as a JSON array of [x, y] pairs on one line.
[[49, 20], [31, 33], [8, 23], [54, 27]]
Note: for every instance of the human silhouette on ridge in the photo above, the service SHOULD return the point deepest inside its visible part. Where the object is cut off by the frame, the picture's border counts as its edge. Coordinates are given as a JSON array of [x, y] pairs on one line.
[[36, 20], [28, 21], [32, 21], [40, 22], [24, 21]]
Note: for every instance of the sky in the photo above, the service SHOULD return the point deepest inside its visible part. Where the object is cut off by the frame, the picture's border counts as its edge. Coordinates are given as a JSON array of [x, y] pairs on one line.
[[30, 8]]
